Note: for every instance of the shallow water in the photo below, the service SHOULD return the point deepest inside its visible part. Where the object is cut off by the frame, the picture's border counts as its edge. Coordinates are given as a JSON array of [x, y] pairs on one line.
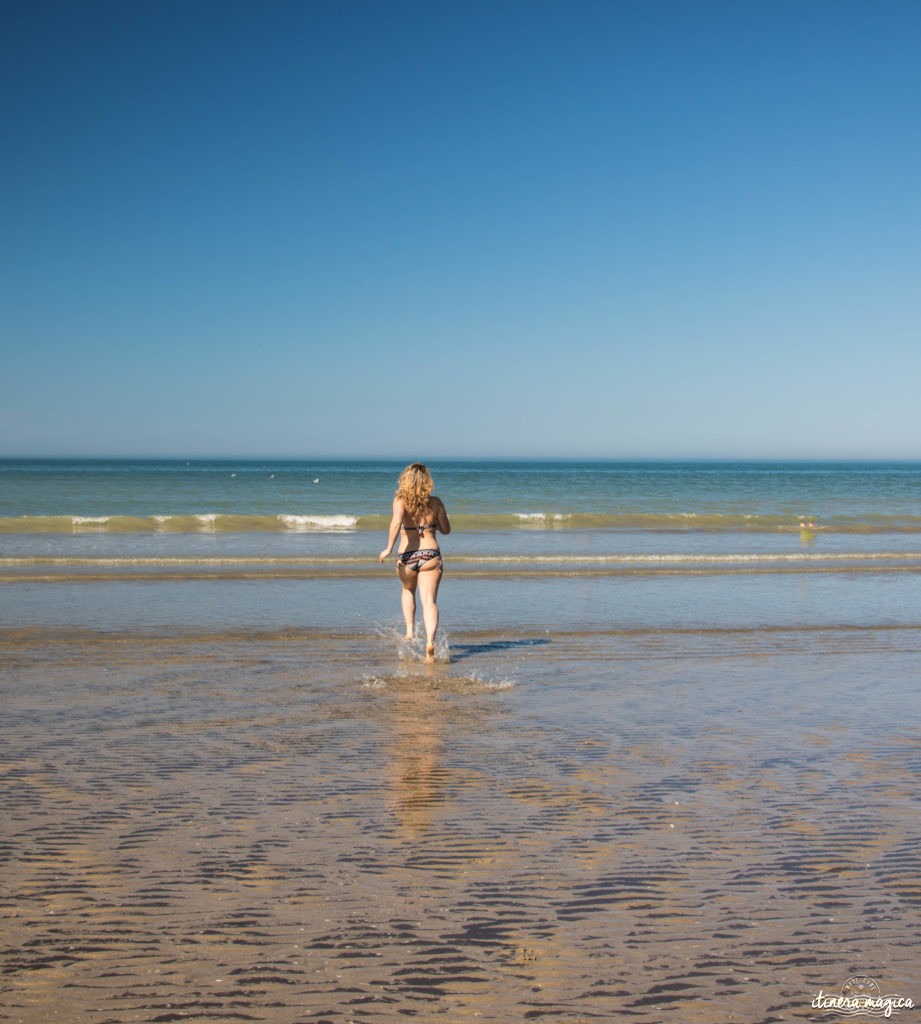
[[640, 600]]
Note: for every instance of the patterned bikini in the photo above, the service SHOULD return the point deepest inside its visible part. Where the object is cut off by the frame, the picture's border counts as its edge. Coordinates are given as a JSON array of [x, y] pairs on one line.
[[416, 558]]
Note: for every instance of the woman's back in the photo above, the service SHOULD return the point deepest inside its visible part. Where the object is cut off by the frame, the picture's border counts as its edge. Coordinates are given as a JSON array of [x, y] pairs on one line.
[[422, 525]]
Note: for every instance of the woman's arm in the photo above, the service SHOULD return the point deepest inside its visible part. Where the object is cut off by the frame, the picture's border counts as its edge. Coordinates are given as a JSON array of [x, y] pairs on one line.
[[395, 523], [444, 524]]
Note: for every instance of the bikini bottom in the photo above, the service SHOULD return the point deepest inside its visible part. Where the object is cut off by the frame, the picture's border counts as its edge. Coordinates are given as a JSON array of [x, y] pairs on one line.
[[414, 559]]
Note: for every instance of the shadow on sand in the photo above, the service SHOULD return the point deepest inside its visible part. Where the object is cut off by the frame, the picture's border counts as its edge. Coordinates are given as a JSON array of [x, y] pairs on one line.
[[461, 651]]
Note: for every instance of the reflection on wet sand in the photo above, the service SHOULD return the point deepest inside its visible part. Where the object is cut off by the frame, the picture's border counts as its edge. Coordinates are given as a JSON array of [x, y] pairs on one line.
[[418, 776]]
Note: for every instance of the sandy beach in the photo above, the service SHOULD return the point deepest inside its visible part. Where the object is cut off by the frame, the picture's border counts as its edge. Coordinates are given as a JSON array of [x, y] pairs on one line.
[[657, 773], [577, 826]]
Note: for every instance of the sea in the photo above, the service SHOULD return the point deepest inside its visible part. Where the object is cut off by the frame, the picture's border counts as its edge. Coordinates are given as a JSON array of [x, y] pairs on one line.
[[665, 766], [278, 544]]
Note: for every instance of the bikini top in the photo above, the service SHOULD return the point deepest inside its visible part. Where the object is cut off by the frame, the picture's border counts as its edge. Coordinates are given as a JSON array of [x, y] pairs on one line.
[[421, 529]]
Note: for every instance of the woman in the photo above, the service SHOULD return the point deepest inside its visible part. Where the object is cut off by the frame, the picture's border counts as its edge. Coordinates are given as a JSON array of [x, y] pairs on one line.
[[417, 515]]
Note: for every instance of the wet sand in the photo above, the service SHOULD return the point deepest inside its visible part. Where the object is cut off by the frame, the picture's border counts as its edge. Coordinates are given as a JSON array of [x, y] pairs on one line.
[[681, 825]]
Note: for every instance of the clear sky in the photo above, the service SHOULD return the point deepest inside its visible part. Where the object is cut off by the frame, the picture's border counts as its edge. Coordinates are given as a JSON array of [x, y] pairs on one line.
[[428, 229]]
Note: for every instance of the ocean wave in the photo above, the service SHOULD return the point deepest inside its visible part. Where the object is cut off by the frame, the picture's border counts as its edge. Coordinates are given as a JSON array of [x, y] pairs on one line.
[[683, 558], [547, 520], [284, 522], [193, 522], [302, 523], [611, 562]]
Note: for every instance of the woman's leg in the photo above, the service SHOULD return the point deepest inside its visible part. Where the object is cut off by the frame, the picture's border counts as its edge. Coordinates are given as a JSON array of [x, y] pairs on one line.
[[408, 598], [429, 578]]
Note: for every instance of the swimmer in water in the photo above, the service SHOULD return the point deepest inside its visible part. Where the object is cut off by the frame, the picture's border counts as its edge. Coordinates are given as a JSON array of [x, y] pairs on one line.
[[417, 516]]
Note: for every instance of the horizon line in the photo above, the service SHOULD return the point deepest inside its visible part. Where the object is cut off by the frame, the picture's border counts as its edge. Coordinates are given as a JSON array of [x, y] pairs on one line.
[[34, 457]]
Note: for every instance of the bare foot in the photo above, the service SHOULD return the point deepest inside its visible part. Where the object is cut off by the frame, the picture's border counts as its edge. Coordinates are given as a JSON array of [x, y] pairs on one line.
[[429, 654], [408, 638]]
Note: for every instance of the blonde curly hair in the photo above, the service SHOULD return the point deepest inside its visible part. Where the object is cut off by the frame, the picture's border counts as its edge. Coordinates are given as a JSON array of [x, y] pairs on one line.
[[415, 488]]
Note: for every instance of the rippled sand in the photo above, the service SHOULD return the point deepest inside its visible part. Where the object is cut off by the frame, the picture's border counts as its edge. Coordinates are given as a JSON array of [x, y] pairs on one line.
[[645, 826]]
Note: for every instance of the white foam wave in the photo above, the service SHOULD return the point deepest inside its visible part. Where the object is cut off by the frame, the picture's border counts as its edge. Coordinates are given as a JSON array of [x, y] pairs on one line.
[[542, 517], [690, 559], [300, 523], [90, 520]]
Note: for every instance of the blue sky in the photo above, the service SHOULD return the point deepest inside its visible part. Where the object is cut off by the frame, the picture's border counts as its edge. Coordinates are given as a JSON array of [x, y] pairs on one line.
[[430, 229]]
